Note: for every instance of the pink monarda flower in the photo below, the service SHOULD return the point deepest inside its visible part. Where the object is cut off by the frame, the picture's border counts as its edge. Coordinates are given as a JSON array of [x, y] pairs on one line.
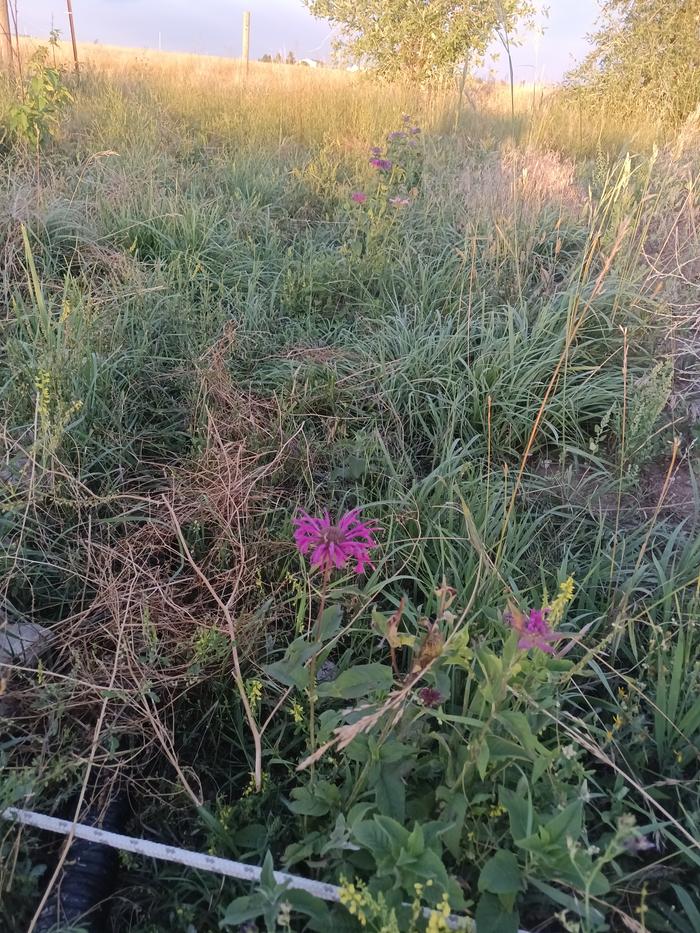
[[384, 165], [333, 545], [398, 201], [359, 197], [533, 628]]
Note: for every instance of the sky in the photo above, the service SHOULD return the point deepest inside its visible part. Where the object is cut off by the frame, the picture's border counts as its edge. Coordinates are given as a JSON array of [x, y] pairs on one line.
[[214, 27]]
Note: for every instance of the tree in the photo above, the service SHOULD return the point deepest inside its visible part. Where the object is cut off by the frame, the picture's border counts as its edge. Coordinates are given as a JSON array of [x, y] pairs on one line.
[[266, 57], [645, 59], [291, 59], [419, 39]]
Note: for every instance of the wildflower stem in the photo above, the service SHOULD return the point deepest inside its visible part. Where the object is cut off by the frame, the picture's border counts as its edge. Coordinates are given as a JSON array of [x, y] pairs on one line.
[[316, 634]]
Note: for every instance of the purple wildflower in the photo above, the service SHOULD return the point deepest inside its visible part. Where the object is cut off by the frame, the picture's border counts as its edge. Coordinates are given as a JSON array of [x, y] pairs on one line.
[[396, 136], [384, 165], [636, 844], [431, 697], [534, 630], [333, 545], [359, 197], [406, 117], [415, 130], [376, 151]]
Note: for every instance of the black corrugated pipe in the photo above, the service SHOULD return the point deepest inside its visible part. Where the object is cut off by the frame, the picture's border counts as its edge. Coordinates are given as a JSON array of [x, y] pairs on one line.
[[80, 896]]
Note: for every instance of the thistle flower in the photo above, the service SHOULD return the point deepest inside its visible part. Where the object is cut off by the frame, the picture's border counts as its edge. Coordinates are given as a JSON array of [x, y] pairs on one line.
[[384, 165], [376, 151], [334, 544], [396, 136], [359, 197], [533, 628], [415, 130]]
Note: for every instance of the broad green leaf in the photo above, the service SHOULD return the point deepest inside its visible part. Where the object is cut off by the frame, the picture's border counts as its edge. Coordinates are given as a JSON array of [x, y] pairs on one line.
[[359, 681], [519, 813], [491, 918], [314, 800], [242, 909], [501, 874], [330, 622], [482, 760]]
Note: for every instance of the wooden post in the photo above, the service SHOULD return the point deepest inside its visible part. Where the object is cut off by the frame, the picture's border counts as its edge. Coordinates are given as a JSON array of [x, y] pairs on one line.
[[71, 23], [246, 39], [6, 38]]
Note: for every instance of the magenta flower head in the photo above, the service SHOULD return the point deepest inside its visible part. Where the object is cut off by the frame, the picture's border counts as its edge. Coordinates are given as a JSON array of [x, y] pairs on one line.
[[334, 544], [533, 628], [359, 197], [431, 697], [376, 151], [384, 165]]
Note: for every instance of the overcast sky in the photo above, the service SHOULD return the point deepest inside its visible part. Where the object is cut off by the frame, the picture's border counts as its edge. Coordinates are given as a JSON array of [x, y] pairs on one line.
[[214, 26]]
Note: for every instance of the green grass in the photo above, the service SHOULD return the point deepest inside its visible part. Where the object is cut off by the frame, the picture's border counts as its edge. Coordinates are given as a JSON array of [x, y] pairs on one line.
[[197, 312]]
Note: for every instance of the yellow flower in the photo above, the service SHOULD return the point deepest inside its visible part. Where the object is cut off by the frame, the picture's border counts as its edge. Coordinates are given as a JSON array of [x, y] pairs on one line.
[[437, 921], [561, 601], [42, 383], [354, 900], [297, 712], [253, 688], [250, 789], [618, 721]]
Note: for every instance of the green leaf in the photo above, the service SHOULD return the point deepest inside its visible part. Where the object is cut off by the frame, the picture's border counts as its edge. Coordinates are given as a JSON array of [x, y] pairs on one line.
[[242, 909], [519, 813], [454, 813], [310, 906], [267, 876], [482, 760], [290, 671], [314, 800], [567, 823], [359, 681], [490, 916], [330, 623], [501, 874]]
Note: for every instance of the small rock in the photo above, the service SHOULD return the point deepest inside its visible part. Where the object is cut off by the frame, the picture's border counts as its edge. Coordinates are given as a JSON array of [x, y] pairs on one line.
[[327, 672], [23, 641]]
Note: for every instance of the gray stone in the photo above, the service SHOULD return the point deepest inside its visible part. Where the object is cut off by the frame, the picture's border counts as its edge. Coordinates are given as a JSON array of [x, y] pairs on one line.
[[23, 642]]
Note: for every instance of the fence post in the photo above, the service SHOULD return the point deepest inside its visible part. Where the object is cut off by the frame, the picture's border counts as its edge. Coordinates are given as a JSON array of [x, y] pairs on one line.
[[6, 38], [71, 23], [246, 39]]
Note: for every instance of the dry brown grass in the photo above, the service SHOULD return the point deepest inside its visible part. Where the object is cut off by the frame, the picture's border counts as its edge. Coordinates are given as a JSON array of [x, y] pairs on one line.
[[151, 627]]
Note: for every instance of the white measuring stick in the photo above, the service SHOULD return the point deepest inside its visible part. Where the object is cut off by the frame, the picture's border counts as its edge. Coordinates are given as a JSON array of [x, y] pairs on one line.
[[220, 866]]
